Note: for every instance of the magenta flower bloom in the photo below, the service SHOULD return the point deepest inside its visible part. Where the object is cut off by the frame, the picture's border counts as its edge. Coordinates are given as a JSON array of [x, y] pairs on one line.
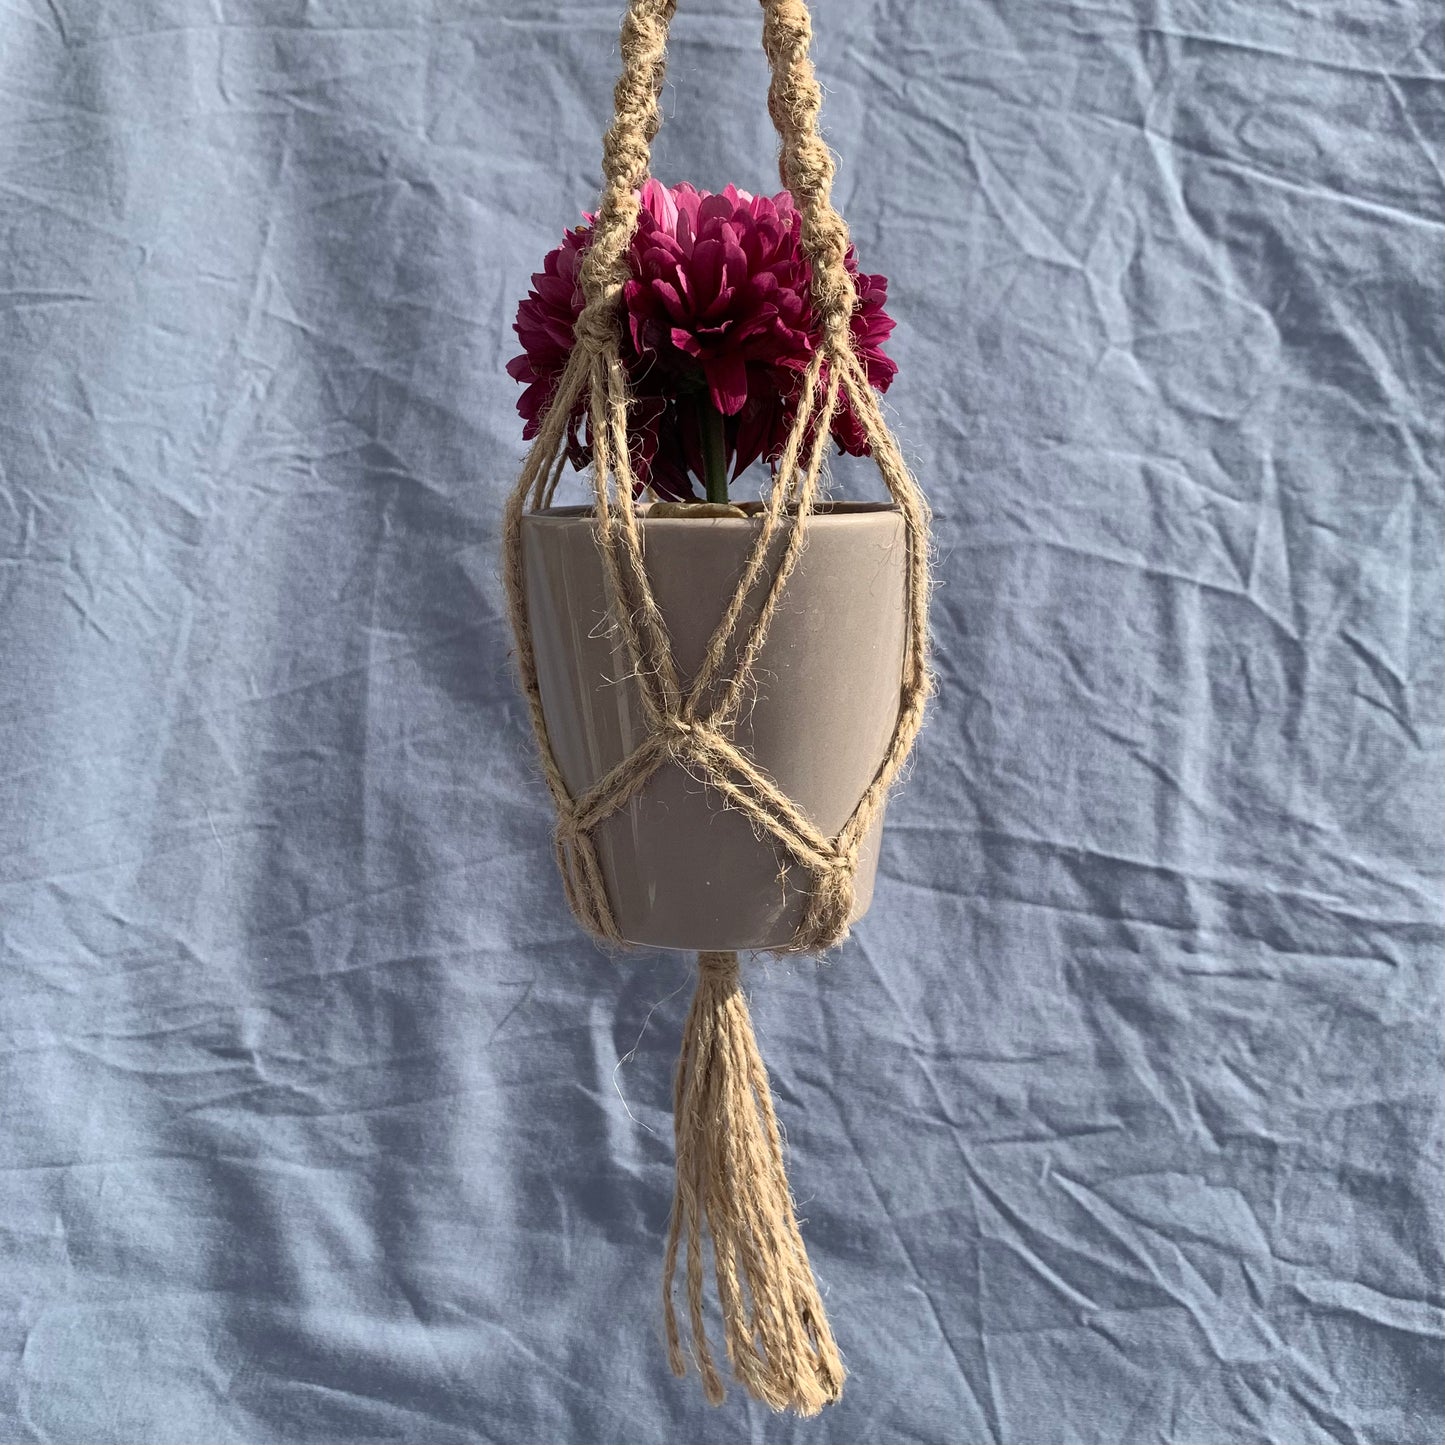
[[545, 321], [718, 321], [719, 282]]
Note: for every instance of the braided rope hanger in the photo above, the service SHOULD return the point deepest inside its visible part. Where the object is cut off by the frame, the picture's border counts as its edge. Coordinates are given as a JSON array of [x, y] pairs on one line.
[[729, 1152]]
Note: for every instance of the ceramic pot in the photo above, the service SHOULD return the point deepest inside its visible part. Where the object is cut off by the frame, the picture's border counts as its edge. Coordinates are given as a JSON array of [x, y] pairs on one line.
[[683, 869]]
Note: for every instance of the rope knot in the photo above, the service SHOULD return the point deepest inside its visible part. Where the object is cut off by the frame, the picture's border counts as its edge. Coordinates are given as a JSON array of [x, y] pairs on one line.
[[831, 906], [678, 733], [718, 967], [597, 327]]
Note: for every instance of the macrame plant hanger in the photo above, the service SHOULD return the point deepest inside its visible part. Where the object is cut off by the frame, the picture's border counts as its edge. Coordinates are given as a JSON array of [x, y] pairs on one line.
[[730, 1178]]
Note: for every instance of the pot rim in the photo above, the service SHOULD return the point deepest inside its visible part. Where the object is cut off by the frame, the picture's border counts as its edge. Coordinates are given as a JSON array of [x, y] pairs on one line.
[[831, 514]]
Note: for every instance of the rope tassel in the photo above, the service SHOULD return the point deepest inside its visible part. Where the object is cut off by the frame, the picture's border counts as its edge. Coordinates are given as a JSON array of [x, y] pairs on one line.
[[730, 1178]]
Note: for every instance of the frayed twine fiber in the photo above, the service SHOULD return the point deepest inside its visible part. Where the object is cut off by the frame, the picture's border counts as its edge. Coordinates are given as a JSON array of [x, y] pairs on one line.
[[729, 1155]]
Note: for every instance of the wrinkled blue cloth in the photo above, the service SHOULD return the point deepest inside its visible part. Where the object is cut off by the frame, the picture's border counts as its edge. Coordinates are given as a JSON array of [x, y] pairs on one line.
[[1117, 1120]]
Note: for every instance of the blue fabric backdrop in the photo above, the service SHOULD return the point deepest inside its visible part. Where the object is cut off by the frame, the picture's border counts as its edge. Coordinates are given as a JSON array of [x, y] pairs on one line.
[[1119, 1118]]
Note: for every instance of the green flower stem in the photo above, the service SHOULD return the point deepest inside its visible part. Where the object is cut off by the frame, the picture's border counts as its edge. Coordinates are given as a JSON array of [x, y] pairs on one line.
[[714, 453]]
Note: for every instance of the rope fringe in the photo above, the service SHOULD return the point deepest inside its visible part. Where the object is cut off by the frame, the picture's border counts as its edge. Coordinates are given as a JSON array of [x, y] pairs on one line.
[[730, 1174], [729, 1154]]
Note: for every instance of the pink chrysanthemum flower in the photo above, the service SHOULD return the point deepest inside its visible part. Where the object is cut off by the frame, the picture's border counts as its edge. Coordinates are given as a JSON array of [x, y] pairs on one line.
[[544, 324], [718, 321]]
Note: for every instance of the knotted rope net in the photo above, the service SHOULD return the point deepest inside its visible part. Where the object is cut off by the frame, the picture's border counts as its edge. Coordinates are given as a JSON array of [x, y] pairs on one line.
[[730, 1176]]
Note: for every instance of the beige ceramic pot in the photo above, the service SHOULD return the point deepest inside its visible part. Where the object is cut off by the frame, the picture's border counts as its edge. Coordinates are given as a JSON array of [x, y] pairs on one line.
[[684, 870]]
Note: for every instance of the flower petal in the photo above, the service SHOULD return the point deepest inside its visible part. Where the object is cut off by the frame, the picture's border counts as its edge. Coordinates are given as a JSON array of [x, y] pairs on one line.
[[727, 381]]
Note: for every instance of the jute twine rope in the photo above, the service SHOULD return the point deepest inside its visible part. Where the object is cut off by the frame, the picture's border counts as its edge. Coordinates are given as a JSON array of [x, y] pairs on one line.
[[730, 1176]]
